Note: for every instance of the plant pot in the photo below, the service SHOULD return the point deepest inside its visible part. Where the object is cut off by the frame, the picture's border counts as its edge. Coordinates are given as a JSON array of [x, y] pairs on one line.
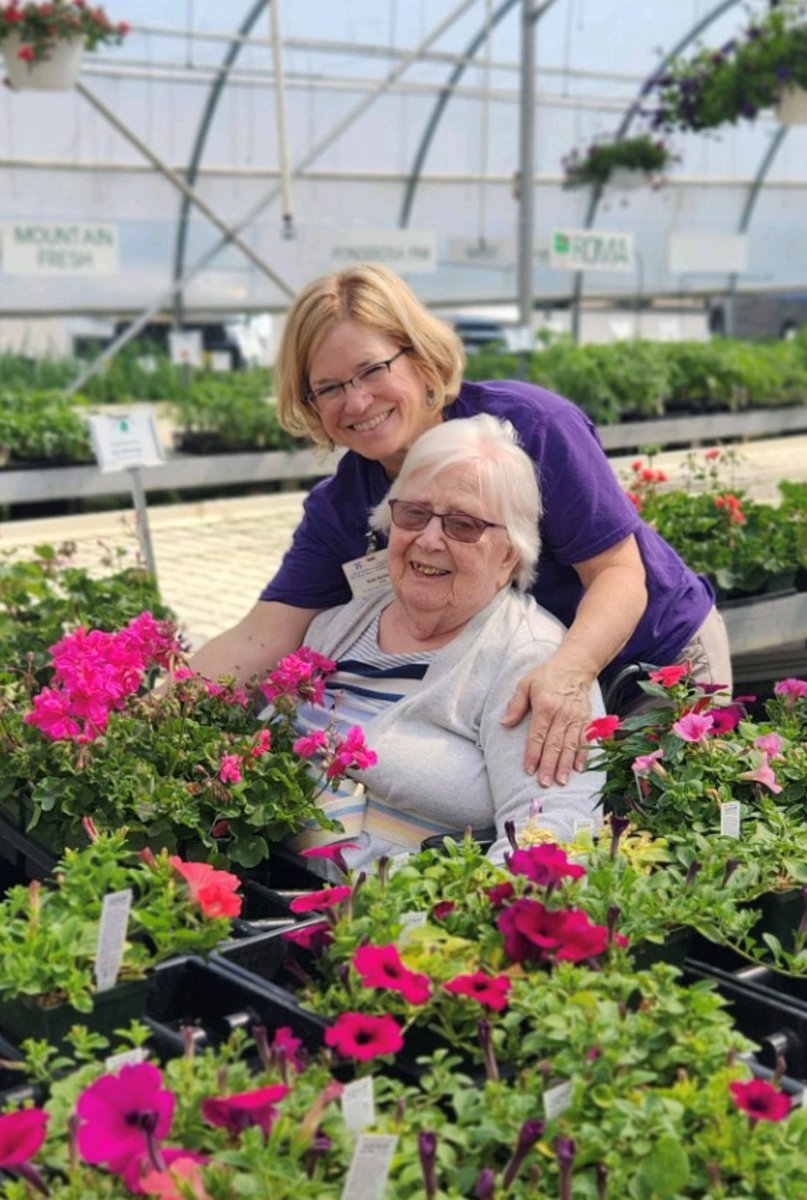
[[792, 106], [672, 950], [780, 914], [22, 1018], [56, 73], [627, 179]]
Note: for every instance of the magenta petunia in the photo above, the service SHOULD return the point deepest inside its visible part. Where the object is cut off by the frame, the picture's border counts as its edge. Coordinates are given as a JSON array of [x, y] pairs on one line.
[[327, 898], [693, 727], [238, 1112], [490, 990], [547, 865], [332, 851], [21, 1135], [314, 937], [364, 1037], [118, 1111], [760, 1100], [381, 967]]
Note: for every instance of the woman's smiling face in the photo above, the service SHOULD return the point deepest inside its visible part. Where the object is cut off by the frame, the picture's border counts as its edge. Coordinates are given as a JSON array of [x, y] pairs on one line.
[[378, 419], [431, 574]]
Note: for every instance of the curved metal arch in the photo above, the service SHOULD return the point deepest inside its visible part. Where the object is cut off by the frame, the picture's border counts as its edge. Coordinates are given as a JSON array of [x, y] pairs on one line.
[[631, 112], [199, 143], [445, 95]]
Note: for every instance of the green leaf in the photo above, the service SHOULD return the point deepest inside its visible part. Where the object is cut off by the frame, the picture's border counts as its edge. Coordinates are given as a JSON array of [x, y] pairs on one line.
[[665, 1172]]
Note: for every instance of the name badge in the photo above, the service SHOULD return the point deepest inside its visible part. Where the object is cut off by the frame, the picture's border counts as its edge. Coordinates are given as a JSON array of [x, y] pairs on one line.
[[368, 574]]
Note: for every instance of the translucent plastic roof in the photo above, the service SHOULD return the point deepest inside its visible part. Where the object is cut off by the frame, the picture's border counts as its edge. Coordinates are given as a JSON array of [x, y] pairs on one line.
[[397, 112]]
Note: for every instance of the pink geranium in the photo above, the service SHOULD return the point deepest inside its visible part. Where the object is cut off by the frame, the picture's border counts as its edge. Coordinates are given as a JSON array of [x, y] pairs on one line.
[[213, 890], [351, 751], [121, 1114], [547, 865], [311, 743], [262, 744], [238, 1112], [693, 727], [490, 990], [381, 967], [230, 769], [364, 1037]]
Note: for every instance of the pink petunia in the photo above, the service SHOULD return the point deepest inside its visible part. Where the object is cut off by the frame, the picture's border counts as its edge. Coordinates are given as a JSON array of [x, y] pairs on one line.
[[643, 764], [671, 675], [693, 727], [770, 744], [763, 774], [791, 689], [21, 1135], [238, 1112], [332, 851], [381, 967], [327, 898], [602, 727], [760, 1100], [490, 990], [314, 937], [116, 1110], [547, 865], [364, 1037]]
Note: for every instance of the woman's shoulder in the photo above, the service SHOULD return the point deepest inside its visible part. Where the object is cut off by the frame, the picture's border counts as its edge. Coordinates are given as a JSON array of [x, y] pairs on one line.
[[518, 401], [521, 621]]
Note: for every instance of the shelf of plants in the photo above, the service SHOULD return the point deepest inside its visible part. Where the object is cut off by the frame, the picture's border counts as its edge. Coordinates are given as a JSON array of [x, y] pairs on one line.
[[614, 1017]]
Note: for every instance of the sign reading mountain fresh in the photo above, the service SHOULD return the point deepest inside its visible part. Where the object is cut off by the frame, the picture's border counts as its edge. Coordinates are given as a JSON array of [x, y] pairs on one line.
[[591, 250], [59, 248]]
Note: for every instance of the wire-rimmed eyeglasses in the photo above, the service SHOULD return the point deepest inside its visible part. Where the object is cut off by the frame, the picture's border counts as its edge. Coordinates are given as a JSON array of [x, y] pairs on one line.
[[458, 526], [373, 374]]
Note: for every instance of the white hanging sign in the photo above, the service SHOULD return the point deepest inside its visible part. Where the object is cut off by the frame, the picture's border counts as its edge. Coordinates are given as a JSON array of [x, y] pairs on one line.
[[482, 251], [59, 248], [592, 250], [411, 250], [124, 440]]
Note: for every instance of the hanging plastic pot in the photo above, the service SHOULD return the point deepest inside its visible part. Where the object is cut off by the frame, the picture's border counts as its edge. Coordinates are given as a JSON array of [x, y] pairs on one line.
[[57, 72], [792, 106]]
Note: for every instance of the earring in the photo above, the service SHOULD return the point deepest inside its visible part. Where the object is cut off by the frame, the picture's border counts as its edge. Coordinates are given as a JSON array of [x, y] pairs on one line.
[[431, 398]]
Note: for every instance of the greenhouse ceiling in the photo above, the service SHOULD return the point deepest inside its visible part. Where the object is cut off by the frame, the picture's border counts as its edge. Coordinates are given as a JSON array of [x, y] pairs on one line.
[[226, 153]]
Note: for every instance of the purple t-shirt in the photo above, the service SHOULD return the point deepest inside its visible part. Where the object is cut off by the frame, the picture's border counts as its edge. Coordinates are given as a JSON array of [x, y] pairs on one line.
[[585, 512]]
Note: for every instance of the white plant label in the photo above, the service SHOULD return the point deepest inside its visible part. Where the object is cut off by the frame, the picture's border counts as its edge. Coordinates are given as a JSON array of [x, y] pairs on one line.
[[557, 1099], [126, 1058], [358, 1104], [369, 1167], [410, 921], [582, 825], [730, 818], [111, 938]]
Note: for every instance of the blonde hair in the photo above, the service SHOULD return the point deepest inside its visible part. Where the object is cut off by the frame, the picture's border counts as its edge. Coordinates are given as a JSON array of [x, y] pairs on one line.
[[378, 298], [508, 480]]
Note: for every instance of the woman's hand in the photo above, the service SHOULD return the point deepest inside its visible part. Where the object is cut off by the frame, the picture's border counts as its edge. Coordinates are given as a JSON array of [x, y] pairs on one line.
[[559, 696]]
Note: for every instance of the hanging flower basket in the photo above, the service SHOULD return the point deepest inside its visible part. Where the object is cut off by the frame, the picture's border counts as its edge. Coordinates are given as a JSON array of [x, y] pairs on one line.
[[42, 43], [624, 163], [792, 106], [58, 72]]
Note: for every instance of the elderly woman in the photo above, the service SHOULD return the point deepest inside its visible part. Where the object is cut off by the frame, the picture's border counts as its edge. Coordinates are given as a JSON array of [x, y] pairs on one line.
[[427, 667], [363, 365]]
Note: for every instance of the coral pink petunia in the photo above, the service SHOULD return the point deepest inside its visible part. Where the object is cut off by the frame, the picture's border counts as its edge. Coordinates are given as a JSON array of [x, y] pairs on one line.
[[238, 1112], [213, 890], [490, 990], [763, 774], [180, 1180], [545, 865], [21, 1135], [669, 676], [770, 744], [643, 764], [362, 1036], [117, 1112], [692, 727], [760, 1099], [602, 727], [327, 898], [381, 967]]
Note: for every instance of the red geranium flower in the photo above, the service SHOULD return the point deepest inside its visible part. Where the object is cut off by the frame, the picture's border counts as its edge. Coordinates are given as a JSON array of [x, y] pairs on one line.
[[359, 1035], [761, 1100], [545, 865], [602, 727], [243, 1109], [490, 990], [21, 1135], [214, 891], [381, 966], [327, 898]]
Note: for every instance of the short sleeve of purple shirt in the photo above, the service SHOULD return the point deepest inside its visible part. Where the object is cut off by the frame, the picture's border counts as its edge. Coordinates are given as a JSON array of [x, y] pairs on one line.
[[585, 513]]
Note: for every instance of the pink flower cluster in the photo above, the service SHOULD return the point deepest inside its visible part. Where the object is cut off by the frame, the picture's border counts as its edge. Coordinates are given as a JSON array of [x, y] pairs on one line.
[[534, 933], [232, 766], [94, 674], [299, 676]]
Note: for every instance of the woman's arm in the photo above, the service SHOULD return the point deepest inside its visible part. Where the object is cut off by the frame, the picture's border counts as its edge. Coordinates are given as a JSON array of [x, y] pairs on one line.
[[254, 646], [557, 691]]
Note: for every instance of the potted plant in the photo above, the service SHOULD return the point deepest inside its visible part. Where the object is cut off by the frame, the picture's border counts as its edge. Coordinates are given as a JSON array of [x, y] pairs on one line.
[[50, 941], [42, 42], [753, 71], [622, 163]]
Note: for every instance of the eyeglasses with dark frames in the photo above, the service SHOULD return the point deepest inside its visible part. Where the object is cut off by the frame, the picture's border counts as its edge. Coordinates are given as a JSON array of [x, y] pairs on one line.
[[373, 374], [458, 526]]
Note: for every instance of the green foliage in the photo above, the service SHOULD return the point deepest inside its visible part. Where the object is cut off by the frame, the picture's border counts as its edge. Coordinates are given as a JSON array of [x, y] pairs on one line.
[[236, 415], [37, 426], [595, 166]]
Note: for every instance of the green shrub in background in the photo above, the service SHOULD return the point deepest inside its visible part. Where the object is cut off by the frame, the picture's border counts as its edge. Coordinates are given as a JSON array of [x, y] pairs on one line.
[[42, 426], [236, 415]]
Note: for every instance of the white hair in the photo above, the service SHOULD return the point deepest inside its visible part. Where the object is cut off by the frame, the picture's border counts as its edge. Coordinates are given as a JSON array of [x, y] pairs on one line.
[[507, 477]]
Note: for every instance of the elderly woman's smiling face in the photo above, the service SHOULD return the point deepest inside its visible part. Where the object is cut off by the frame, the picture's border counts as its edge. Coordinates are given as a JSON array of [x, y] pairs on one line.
[[434, 576]]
